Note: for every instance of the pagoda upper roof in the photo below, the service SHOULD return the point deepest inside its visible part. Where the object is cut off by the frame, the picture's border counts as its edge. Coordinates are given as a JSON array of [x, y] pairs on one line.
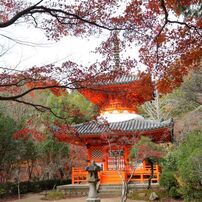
[[124, 79], [132, 125]]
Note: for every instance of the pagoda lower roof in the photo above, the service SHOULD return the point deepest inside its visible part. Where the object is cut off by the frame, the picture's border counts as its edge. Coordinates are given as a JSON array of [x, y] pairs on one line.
[[132, 125]]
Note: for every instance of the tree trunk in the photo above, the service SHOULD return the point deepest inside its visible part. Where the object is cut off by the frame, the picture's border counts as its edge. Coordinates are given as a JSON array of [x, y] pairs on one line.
[[124, 191], [30, 169], [18, 186], [18, 181], [152, 173]]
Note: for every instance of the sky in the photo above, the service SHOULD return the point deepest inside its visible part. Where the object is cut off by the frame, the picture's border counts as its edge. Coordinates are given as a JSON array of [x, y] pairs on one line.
[[33, 48], [26, 46]]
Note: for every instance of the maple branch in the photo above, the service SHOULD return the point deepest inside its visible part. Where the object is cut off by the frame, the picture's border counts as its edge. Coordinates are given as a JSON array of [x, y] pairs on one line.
[[163, 6], [185, 24], [17, 84], [39, 107], [157, 54], [19, 15], [67, 86], [85, 83], [54, 13], [167, 20], [30, 90]]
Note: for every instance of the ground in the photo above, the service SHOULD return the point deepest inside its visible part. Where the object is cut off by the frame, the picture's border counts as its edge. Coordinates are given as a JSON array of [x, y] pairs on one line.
[[37, 198]]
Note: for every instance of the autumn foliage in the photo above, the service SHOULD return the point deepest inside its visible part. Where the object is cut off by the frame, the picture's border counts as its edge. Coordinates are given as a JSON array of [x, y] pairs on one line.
[[54, 86], [167, 34], [26, 134], [173, 75]]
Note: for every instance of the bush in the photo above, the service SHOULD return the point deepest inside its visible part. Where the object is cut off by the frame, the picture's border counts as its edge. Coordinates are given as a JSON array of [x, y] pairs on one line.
[[184, 178], [55, 195], [2, 192], [168, 180], [26, 187], [191, 194], [174, 193], [189, 166]]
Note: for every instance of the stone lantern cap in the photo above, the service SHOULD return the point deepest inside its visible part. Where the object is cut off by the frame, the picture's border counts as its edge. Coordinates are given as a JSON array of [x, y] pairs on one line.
[[93, 167]]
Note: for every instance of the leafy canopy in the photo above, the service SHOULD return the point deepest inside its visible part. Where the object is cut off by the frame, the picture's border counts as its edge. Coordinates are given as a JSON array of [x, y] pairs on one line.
[[168, 41]]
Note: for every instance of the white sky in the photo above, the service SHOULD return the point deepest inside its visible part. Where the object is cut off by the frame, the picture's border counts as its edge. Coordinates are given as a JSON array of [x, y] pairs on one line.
[[39, 51], [43, 51]]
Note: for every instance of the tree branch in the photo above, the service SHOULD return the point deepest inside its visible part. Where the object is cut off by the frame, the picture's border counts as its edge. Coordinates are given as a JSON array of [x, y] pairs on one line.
[[167, 20], [39, 107], [19, 15], [54, 13]]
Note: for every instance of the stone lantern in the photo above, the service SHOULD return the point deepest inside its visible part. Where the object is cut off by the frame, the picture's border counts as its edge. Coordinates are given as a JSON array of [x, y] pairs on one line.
[[93, 179]]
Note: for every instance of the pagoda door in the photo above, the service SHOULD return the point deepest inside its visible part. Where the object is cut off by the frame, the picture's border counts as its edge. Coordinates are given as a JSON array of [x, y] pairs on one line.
[[116, 160]]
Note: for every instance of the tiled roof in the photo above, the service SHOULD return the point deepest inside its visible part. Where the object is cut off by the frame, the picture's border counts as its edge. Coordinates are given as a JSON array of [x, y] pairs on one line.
[[133, 125], [119, 80]]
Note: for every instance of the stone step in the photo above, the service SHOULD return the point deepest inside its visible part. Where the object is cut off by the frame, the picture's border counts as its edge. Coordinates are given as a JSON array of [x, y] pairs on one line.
[[111, 190]]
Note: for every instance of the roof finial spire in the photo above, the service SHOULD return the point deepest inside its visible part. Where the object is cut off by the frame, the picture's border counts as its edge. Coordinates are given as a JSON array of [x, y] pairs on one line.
[[116, 50]]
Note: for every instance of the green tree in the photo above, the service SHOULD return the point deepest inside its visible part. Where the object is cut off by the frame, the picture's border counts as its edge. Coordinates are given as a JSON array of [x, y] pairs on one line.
[[187, 168], [9, 148], [189, 156], [53, 157], [194, 10], [48, 157], [29, 156], [13, 150], [74, 107], [192, 86]]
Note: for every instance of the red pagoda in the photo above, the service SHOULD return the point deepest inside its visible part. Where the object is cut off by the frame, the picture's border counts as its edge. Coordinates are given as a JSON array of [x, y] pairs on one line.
[[109, 139]]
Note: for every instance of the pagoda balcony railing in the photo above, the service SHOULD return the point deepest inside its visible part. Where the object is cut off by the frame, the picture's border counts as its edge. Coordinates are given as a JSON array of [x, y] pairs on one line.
[[79, 176], [142, 174], [137, 175]]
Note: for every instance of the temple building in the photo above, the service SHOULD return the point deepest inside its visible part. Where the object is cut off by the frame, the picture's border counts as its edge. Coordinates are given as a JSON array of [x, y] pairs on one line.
[[110, 138]]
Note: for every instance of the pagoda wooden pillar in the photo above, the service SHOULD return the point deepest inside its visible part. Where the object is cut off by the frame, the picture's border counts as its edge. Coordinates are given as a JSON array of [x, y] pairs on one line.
[[126, 156], [89, 155], [157, 173], [105, 153]]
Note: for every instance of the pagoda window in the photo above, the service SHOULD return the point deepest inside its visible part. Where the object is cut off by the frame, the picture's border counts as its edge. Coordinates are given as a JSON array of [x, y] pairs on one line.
[[97, 154]]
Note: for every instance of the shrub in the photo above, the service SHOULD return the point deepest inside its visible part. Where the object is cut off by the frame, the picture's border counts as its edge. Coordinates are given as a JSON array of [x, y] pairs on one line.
[[26, 187], [189, 166], [191, 194], [2, 192], [55, 195], [168, 180], [174, 193], [185, 176]]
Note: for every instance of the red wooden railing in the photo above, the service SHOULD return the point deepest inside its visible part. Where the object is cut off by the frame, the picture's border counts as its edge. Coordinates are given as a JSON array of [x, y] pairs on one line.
[[139, 175]]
